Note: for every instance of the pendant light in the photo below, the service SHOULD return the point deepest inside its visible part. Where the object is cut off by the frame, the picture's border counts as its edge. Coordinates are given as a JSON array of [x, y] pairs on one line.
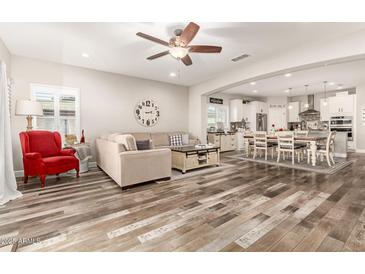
[[289, 91], [325, 103]]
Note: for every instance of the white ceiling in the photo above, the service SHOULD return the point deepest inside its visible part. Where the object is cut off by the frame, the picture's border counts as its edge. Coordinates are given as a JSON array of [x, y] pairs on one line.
[[347, 74], [114, 47]]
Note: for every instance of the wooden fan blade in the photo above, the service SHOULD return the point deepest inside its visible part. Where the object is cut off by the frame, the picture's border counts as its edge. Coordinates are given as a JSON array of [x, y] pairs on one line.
[[151, 38], [189, 33], [205, 49], [158, 55], [187, 60]]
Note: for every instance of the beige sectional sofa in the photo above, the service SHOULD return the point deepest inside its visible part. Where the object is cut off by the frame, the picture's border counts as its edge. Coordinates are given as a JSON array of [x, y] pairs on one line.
[[129, 167], [162, 139]]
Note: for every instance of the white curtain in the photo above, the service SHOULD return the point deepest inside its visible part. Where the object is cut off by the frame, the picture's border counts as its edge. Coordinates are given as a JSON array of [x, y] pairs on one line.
[[8, 187]]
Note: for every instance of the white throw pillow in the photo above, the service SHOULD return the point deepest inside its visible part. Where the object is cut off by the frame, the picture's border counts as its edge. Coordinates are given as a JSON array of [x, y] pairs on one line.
[[127, 140], [185, 139]]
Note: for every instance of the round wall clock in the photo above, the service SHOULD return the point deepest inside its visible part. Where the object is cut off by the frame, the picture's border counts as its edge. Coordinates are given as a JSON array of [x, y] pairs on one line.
[[147, 113]]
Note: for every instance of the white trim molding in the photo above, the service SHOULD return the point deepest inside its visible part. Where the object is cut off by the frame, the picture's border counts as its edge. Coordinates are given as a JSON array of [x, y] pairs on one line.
[[360, 150]]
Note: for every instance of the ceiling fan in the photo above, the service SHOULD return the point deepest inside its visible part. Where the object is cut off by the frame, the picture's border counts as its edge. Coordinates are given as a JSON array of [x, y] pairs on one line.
[[179, 44]]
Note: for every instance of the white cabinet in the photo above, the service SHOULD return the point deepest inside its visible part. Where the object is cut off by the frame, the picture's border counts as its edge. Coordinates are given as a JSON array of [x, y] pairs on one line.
[[235, 110], [341, 105], [259, 107], [324, 109], [226, 142], [239, 140], [246, 111], [293, 111]]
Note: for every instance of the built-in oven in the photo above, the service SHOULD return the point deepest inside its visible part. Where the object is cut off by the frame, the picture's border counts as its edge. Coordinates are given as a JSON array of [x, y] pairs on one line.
[[342, 124], [341, 121]]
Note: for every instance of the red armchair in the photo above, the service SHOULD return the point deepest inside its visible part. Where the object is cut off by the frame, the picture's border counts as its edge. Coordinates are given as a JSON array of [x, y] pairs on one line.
[[43, 155]]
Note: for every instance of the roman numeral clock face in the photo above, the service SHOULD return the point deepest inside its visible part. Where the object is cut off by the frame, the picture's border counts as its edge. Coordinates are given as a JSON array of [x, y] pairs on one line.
[[147, 113]]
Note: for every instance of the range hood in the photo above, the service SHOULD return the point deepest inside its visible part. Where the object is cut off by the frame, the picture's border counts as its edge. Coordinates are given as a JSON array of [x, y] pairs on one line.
[[310, 110]]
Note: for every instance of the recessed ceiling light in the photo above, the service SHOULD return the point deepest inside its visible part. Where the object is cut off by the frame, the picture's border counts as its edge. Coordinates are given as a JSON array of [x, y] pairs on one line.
[[172, 74], [254, 91], [339, 87], [331, 83], [85, 55], [253, 83], [287, 74], [287, 90]]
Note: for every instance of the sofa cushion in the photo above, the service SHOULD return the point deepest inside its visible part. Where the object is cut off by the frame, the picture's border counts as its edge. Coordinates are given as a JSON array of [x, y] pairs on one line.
[[160, 139], [143, 144], [127, 140], [59, 161], [185, 139], [141, 136], [176, 140]]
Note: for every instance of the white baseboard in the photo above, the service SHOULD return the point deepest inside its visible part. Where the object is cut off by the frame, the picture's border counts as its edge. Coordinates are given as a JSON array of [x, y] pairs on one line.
[[360, 150], [20, 173]]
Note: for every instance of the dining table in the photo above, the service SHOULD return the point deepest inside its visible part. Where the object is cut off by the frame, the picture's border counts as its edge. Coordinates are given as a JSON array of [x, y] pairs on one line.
[[311, 139]]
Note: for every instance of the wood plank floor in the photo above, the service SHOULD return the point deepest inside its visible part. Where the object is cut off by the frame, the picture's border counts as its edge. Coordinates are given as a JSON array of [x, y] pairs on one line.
[[246, 207]]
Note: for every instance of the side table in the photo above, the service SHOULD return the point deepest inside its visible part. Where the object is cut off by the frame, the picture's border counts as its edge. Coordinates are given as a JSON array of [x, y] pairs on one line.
[[83, 153]]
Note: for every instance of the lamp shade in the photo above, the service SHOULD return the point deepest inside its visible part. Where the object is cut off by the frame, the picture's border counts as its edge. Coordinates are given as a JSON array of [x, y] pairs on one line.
[[27, 107]]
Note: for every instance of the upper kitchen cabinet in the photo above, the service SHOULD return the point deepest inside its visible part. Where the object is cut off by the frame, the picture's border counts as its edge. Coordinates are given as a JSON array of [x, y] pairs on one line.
[[341, 105], [293, 111], [324, 109], [235, 110], [259, 107]]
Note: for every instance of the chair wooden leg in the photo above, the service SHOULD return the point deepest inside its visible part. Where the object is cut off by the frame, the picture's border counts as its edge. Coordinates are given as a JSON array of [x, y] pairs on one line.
[[278, 156], [43, 181], [331, 157], [25, 179], [77, 172], [328, 160]]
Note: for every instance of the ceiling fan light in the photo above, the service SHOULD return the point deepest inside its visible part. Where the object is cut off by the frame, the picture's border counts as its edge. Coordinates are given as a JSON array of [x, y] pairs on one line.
[[178, 52]]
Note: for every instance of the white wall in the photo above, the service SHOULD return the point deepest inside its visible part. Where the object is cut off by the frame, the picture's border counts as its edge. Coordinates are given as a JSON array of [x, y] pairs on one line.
[[277, 116], [107, 100], [5, 56]]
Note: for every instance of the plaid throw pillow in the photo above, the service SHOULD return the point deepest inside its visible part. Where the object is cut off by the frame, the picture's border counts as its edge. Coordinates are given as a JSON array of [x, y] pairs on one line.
[[176, 140]]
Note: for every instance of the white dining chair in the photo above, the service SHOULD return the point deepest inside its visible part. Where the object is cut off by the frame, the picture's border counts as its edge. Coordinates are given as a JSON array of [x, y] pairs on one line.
[[327, 150], [302, 133], [287, 145], [261, 143]]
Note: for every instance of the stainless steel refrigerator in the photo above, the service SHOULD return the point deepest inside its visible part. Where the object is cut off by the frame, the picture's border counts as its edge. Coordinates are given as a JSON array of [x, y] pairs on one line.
[[261, 122]]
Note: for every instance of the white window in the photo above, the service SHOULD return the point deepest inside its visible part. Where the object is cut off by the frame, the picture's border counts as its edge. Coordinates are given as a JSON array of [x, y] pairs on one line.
[[61, 109], [217, 113]]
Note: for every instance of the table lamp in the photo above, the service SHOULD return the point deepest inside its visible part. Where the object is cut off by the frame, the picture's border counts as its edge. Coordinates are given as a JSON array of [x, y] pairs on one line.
[[28, 108]]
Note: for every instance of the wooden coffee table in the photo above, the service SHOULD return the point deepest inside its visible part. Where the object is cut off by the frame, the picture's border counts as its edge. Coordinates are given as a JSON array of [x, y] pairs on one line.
[[191, 157]]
